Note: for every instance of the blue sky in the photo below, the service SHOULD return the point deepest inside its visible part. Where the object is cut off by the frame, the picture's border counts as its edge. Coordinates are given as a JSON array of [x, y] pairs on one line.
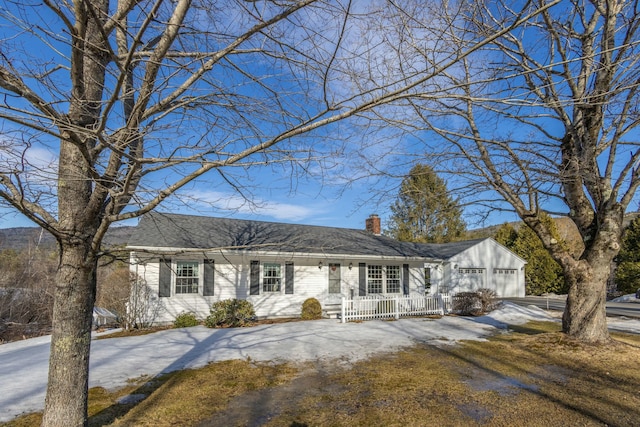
[[309, 204], [280, 198], [320, 197], [333, 190]]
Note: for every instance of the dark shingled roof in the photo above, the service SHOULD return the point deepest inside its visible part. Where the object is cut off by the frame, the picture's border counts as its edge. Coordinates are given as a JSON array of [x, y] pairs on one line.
[[198, 232]]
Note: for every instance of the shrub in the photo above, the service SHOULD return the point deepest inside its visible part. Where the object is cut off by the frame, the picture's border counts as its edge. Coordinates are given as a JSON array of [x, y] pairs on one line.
[[489, 299], [230, 312], [311, 309], [185, 320], [475, 303], [467, 303]]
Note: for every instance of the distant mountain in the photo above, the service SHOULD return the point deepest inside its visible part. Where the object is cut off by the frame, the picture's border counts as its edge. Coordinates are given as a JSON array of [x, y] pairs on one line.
[[20, 238]]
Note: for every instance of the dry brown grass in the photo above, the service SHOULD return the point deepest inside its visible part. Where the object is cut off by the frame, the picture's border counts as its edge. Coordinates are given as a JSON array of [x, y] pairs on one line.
[[533, 376], [533, 380]]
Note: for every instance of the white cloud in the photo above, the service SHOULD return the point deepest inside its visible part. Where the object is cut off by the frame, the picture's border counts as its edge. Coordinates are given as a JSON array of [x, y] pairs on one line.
[[256, 206], [40, 163]]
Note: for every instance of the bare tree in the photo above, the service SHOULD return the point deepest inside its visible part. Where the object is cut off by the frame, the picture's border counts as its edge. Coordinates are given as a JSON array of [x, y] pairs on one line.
[[110, 107], [26, 289], [142, 305], [119, 93], [114, 284], [542, 119]]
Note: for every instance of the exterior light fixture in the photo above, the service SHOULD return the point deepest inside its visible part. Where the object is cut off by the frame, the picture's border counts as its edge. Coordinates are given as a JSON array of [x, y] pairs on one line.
[[320, 265], [350, 265]]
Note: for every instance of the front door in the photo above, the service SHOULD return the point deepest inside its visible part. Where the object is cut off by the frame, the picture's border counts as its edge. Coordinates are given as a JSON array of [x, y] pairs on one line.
[[334, 279]]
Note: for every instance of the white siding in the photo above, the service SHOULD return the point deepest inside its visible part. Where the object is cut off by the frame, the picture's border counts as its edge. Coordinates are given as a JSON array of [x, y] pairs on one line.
[[491, 257], [165, 309], [309, 281], [437, 278], [232, 280]]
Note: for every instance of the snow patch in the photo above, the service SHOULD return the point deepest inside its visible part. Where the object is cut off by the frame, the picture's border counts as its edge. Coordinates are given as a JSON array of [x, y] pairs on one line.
[[24, 364]]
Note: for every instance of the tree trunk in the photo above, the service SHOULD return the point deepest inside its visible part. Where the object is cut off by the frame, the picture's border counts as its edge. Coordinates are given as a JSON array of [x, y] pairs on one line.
[[66, 401], [585, 316]]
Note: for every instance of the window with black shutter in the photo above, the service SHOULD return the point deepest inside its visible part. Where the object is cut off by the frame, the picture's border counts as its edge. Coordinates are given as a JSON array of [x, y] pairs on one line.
[[288, 278], [209, 273], [254, 278], [164, 278]]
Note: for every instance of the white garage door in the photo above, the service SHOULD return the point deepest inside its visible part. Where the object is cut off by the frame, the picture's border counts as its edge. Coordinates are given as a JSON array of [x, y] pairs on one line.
[[471, 279], [505, 281]]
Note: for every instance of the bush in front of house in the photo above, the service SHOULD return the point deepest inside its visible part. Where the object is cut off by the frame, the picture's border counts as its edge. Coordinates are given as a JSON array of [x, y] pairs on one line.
[[467, 304], [230, 312], [311, 309], [489, 299], [186, 320], [475, 303]]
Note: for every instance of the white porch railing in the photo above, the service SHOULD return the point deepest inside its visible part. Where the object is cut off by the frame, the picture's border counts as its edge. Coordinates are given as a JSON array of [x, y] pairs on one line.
[[447, 302], [385, 307]]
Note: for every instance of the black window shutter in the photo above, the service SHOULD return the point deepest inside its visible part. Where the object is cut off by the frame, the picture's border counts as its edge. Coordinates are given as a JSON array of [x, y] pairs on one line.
[[164, 279], [288, 278], [362, 284], [405, 279], [254, 286], [209, 273]]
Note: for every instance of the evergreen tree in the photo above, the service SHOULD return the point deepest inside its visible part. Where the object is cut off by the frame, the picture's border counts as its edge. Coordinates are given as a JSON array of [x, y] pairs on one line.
[[542, 273], [627, 275], [507, 236], [424, 211]]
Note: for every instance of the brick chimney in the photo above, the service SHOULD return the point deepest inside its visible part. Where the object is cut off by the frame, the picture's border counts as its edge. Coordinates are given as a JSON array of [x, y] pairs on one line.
[[372, 224]]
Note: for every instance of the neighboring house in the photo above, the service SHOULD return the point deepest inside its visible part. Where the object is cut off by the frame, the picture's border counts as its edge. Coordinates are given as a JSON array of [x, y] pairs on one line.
[[189, 262], [103, 317]]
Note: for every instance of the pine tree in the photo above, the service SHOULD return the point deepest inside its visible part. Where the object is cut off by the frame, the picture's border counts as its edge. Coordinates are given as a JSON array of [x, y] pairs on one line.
[[507, 236], [542, 273], [424, 211], [627, 275]]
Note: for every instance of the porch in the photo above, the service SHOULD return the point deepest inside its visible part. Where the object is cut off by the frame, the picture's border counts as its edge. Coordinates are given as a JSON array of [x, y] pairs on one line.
[[393, 307]]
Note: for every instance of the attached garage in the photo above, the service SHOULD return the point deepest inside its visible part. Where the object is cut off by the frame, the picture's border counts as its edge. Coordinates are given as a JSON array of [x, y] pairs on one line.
[[486, 264]]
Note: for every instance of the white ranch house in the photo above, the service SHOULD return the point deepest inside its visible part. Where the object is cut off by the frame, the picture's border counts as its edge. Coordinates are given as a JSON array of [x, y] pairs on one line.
[[188, 262]]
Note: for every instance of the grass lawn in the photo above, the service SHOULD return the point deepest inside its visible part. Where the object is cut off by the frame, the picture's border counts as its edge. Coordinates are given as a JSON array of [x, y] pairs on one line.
[[533, 376]]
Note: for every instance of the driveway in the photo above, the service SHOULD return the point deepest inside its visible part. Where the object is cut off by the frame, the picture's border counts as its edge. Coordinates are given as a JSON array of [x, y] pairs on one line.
[[558, 303]]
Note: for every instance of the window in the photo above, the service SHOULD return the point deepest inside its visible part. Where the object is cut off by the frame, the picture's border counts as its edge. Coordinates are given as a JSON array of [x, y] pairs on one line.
[[393, 279], [475, 271], [271, 277], [374, 279], [503, 271], [187, 277], [383, 279]]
